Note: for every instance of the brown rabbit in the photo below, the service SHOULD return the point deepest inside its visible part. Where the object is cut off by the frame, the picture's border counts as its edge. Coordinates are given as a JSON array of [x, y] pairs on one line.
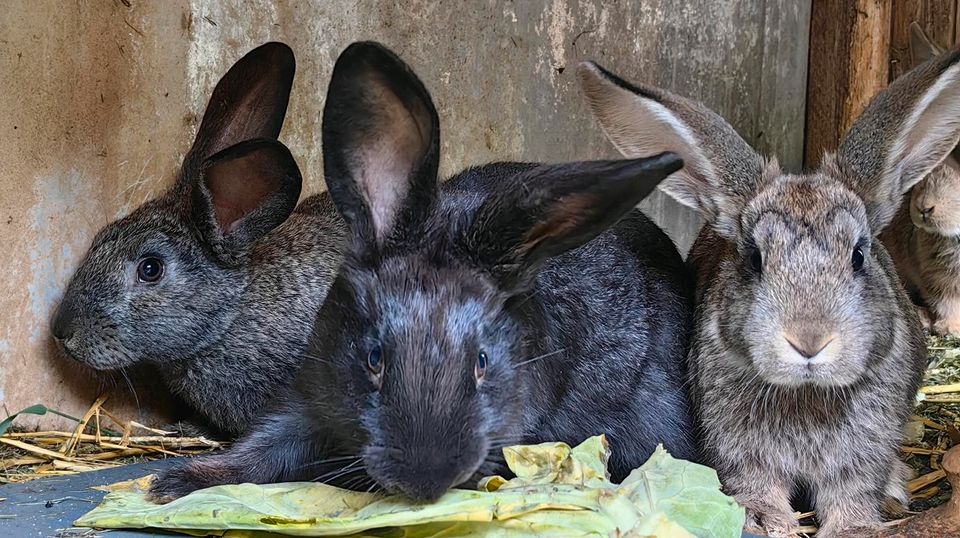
[[924, 237], [807, 352]]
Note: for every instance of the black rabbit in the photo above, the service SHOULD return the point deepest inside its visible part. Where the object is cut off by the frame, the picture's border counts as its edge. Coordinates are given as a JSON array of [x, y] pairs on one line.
[[516, 303]]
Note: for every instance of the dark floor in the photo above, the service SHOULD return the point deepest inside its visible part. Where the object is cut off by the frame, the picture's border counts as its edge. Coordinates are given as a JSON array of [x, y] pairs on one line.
[[48, 507]]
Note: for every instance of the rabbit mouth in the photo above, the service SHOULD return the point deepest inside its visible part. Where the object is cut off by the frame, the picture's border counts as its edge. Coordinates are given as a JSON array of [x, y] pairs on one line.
[[933, 225], [819, 365], [97, 359]]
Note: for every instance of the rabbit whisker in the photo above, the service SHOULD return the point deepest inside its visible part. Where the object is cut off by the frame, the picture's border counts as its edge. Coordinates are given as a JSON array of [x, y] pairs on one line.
[[133, 391], [329, 460], [541, 357]]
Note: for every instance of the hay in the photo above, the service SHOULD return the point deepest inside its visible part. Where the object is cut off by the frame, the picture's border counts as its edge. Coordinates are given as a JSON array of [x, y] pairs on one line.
[[91, 446], [939, 412]]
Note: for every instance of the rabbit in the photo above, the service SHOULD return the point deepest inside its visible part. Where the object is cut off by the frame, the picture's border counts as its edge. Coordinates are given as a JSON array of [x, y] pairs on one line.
[[806, 353], [924, 237], [516, 303], [216, 282]]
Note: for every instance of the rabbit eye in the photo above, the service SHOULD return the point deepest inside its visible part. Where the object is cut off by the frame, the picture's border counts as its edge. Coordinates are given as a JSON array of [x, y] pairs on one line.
[[375, 361], [481, 368], [756, 260], [150, 269], [857, 258]]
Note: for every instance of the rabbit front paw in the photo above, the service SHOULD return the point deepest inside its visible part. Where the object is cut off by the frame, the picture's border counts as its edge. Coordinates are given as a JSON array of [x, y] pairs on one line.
[[764, 519], [187, 477], [947, 327]]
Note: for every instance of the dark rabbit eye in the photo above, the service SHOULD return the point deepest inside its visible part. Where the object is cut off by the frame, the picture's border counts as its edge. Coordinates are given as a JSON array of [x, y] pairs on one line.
[[481, 367], [857, 258], [375, 361], [150, 269], [756, 260]]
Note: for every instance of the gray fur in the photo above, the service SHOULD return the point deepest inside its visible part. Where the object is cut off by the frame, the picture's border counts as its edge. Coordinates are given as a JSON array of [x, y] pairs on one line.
[[804, 365], [579, 303], [226, 324]]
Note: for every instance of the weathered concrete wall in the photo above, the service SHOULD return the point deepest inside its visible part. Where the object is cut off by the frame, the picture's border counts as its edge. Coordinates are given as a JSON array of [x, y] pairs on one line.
[[101, 99]]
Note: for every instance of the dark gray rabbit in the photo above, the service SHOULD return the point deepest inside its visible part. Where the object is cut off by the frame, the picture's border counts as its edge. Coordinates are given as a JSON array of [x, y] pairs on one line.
[[517, 303], [217, 282], [807, 353]]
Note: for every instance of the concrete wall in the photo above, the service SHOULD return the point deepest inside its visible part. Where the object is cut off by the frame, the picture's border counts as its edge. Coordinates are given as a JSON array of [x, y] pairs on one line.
[[100, 100]]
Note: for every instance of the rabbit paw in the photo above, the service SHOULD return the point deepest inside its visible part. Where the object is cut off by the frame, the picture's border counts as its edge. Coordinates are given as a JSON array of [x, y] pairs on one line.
[[947, 327], [895, 493], [764, 520], [187, 478]]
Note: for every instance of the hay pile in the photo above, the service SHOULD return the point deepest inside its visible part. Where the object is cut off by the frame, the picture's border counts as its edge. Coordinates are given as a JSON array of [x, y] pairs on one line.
[[936, 424], [100, 441]]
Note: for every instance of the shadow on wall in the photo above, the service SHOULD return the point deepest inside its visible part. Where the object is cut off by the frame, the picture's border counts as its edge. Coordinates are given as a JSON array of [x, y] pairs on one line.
[[103, 100]]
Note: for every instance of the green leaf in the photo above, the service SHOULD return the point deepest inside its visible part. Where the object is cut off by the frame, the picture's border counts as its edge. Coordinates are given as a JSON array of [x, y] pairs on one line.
[[32, 410], [686, 493]]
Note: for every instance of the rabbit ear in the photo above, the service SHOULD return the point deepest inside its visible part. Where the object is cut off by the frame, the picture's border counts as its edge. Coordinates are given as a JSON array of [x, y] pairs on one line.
[[249, 102], [381, 144], [549, 209], [907, 129], [721, 171], [244, 192], [921, 48]]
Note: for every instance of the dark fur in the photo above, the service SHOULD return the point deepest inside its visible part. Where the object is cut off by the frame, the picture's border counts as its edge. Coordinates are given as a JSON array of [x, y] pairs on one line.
[[580, 303], [226, 325], [804, 361]]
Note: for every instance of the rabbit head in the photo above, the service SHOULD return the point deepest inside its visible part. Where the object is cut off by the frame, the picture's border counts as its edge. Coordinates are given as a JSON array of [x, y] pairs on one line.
[[417, 350], [935, 201], [159, 283], [809, 288]]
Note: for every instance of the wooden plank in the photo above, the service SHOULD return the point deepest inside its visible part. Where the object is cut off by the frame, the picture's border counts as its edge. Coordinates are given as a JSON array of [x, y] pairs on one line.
[[745, 60], [783, 81], [937, 19], [849, 60]]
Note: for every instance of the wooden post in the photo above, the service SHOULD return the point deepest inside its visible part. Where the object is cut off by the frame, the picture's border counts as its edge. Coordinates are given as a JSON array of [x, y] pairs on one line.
[[937, 19], [849, 60]]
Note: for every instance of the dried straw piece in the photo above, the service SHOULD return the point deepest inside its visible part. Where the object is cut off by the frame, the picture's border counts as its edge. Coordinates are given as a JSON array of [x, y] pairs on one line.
[[921, 482], [940, 389], [70, 445]]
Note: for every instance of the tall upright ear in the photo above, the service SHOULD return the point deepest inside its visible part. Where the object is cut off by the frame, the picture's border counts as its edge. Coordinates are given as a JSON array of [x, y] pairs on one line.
[[249, 102], [244, 192], [381, 145], [921, 48], [721, 171], [549, 209], [907, 129]]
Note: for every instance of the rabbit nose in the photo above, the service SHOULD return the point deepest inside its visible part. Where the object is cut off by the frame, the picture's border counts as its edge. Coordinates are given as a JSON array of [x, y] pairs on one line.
[[64, 321], [428, 478], [810, 344], [925, 212]]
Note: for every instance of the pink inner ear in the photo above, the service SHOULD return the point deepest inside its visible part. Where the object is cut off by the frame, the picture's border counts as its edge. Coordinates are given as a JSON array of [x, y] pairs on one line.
[[561, 221], [238, 187]]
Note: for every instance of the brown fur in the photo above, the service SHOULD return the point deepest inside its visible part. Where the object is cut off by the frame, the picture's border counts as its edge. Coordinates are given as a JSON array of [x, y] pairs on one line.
[[924, 237]]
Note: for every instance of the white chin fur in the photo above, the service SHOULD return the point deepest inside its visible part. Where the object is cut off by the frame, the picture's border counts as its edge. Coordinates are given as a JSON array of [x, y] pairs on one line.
[[792, 369]]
